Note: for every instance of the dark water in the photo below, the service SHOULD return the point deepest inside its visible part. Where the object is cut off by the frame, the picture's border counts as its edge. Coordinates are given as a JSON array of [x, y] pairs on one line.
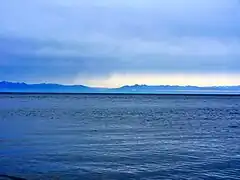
[[120, 137]]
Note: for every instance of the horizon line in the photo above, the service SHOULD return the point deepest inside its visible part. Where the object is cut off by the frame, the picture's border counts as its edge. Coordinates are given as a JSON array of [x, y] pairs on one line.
[[126, 85], [121, 93]]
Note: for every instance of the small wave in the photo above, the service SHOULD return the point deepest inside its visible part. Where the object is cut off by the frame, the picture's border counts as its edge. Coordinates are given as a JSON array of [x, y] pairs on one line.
[[233, 126], [7, 177]]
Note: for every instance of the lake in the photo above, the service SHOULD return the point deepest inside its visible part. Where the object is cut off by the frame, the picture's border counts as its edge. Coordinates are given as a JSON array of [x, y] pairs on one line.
[[119, 137]]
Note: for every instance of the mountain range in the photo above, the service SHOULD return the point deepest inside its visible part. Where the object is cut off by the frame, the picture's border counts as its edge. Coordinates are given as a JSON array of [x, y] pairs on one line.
[[11, 87]]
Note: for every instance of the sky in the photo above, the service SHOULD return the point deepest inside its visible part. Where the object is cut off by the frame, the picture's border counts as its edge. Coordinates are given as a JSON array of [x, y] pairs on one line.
[[108, 43]]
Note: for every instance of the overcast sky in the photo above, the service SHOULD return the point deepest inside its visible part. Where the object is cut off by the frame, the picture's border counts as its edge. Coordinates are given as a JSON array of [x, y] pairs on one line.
[[115, 42]]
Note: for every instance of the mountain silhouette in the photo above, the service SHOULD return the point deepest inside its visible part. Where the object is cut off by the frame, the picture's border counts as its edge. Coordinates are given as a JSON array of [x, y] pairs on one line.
[[58, 88]]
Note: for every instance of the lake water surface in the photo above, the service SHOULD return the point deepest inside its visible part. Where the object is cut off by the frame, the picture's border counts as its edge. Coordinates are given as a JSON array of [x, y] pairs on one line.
[[119, 137]]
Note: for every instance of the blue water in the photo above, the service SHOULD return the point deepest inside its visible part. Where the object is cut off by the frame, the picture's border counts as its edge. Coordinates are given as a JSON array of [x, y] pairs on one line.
[[118, 137]]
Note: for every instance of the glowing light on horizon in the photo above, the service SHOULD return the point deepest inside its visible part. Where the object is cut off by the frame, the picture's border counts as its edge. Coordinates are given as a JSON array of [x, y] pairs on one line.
[[117, 80]]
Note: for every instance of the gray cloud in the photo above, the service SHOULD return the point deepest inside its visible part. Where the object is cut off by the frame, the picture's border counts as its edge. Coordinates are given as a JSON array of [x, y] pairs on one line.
[[36, 61], [60, 39]]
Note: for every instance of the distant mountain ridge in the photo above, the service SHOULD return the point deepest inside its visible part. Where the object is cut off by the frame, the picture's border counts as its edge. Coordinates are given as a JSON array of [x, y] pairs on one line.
[[43, 87], [58, 88]]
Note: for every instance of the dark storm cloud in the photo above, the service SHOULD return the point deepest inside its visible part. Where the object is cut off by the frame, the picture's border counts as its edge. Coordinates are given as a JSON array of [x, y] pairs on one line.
[[23, 59]]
